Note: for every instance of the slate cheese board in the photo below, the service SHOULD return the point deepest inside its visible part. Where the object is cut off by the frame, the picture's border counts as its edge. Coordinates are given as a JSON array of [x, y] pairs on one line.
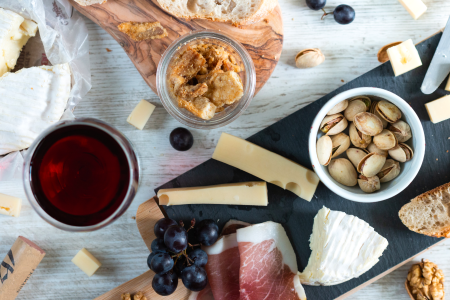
[[289, 138]]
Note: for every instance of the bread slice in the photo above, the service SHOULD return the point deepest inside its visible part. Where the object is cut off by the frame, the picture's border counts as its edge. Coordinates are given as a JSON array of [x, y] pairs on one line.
[[90, 2], [237, 12], [429, 213]]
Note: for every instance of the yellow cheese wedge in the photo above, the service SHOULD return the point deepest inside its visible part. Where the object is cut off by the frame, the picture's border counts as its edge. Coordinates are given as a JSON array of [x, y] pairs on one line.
[[404, 57], [243, 193], [10, 205], [140, 114], [447, 87], [266, 165], [86, 262], [439, 110], [416, 8]]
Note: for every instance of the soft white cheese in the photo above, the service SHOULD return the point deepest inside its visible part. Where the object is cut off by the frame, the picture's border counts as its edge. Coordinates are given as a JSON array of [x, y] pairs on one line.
[[343, 247], [31, 100], [14, 34]]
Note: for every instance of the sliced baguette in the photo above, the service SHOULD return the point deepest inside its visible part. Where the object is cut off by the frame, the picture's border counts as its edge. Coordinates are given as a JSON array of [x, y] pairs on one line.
[[237, 12], [429, 213], [90, 2]]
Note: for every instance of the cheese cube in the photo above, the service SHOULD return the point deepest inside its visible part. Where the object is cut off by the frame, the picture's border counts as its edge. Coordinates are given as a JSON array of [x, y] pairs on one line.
[[416, 8], [404, 57], [140, 114], [439, 110], [447, 87], [10, 205], [86, 262]]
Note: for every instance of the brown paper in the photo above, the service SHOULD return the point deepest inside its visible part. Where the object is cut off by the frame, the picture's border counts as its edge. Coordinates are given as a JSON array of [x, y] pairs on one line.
[[18, 266]]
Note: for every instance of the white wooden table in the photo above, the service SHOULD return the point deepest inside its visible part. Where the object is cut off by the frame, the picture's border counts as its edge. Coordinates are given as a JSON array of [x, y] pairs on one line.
[[117, 87]]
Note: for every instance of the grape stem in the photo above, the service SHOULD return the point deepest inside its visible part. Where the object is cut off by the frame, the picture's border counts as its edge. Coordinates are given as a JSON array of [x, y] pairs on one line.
[[326, 14], [192, 225], [192, 246]]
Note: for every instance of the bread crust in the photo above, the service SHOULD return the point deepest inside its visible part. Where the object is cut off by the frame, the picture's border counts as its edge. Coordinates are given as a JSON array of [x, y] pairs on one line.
[[90, 2], [444, 231]]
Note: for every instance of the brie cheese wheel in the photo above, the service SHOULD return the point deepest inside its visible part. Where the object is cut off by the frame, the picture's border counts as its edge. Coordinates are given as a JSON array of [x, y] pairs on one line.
[[14, 34], [31, 100], [343, 247]]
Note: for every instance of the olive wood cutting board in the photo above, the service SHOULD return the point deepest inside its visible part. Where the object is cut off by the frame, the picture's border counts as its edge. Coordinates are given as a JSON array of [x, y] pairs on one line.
[[263, 40], [289, 138]]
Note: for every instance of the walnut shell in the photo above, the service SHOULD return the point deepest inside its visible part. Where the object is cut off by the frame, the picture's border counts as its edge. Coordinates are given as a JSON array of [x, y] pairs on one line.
[[309, 58]]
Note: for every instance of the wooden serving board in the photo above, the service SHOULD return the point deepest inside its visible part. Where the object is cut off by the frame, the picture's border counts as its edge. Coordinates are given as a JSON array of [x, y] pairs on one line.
[[263, 41]]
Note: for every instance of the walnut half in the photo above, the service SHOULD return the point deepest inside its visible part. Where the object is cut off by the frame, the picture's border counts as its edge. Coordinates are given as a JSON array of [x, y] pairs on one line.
[[137, 296], [425, 281]]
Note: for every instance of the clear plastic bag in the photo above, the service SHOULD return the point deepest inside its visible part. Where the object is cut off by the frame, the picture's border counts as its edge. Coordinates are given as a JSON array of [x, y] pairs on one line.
[[64, 39]]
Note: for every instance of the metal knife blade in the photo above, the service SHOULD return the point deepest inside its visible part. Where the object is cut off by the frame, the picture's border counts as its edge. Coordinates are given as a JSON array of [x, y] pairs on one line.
[[440, 65]]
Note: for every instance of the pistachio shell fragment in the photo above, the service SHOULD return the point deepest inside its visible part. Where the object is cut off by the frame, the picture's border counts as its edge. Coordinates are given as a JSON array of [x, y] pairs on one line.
[[386, 140], [355, 155], [354, 107], [402, 153], [341, 106], [341, 142], [358, 138], [389, 171], [333, 124], [369, 184], [382, 53], [342, 170], [371, 164], [374, 111], [401, 130], [388, 111], [324, 148], [373, 148], [309, 58], [368, 123]]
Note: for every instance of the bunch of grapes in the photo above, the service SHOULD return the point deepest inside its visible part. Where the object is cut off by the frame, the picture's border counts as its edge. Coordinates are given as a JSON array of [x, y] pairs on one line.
[[173, 256]]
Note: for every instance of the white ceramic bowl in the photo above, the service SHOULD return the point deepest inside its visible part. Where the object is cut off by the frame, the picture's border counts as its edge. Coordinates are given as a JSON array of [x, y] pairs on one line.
[[409, 169]]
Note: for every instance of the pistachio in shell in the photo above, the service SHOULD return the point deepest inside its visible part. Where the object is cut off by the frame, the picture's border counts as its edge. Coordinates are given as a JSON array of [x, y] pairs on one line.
[[324, 148], [402, 153], [333, 124], [369, 184], [341, 106], [401, 130], [355, 155], [368, 123], [341, 142], [309, 58], [386, 140], [342, 170], [358, 138], [374, 111], [355, 107], [373, 148], [371, 164], [388, 111], [389, 171]]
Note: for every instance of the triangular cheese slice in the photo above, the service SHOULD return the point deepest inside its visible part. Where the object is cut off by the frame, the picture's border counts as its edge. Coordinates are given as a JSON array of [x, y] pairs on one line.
[[343, 247], [31, 100]]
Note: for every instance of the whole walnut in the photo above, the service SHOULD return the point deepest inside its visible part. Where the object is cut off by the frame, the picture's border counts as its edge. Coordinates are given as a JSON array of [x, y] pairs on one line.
[[425, 281]]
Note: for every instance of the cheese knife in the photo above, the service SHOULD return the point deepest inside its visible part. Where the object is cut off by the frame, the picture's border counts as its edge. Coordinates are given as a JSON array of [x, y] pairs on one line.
[[440, 65]]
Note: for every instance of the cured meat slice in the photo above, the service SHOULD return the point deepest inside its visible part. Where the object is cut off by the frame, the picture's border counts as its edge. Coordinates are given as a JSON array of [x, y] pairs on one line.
[[268, 269], [205, 294]]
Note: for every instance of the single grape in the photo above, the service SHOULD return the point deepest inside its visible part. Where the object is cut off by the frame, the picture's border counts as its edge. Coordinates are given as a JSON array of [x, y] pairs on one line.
[[161, 263], [194, 278], [176, 239], [199, 257], [344, 14], [181, 139], [162, 225], [316, 4], [207, 232], [180, 265], [158, 245], [165, 284], [149, 260]]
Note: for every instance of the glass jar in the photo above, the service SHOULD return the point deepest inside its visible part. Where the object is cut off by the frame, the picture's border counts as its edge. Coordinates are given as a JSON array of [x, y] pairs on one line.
[[247, 75]]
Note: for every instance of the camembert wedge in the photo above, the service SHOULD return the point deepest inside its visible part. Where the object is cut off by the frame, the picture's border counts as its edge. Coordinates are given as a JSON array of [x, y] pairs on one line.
[[343, 247], [14, 34], [31, 100]]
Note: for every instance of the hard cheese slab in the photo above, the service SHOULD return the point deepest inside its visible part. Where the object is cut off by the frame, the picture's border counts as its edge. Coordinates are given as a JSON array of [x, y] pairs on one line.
[[289, 138]]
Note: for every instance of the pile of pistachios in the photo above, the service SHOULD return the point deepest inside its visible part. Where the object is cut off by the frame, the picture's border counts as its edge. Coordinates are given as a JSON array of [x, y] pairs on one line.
[[377, 133]]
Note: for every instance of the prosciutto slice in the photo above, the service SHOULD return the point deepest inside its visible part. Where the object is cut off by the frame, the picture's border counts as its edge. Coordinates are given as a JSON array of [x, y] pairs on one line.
[[205, 294], [268, 266]]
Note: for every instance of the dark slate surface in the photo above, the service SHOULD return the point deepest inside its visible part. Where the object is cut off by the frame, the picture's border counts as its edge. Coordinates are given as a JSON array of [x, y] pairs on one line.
[[288, 138]]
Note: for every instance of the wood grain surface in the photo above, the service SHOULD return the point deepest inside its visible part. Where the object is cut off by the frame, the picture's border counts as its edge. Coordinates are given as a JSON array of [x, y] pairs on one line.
[[263, 40], [147, 215]]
